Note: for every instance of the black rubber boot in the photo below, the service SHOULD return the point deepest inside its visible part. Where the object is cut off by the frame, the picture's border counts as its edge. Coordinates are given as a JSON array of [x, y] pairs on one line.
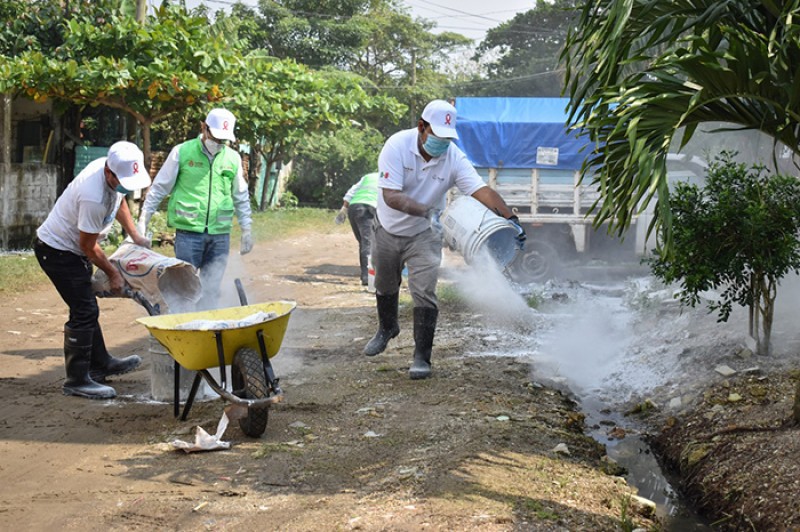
[[424, 330], [77, 359], [103, 364], [388, 327]]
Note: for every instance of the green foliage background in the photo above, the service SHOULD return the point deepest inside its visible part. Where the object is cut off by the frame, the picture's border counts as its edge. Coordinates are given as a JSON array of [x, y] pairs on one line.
[[327, 164]]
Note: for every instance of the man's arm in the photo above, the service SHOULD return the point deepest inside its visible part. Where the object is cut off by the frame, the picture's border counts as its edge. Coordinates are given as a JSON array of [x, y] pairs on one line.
[[492, 201], [126, 221], [162, 185], [241, 200], [399, 201], [93, 252]]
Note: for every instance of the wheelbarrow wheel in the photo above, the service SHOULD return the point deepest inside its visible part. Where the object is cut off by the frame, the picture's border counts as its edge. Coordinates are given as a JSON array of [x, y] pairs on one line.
[[249, 382]]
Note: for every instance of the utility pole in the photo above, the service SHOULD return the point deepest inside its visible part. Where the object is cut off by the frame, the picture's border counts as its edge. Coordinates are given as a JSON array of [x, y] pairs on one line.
[[141, 10], [413, 107]]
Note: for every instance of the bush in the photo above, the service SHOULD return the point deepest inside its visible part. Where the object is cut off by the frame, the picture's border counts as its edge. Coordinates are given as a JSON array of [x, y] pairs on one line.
[[328, 164]]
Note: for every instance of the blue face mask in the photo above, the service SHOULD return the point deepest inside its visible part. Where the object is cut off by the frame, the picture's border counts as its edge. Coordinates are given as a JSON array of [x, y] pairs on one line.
[[434, 146], [123, 190]]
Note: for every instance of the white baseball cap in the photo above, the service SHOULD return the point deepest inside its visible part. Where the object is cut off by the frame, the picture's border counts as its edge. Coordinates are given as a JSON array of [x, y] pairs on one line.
[[442, 118], [220, 124], [126, 160]]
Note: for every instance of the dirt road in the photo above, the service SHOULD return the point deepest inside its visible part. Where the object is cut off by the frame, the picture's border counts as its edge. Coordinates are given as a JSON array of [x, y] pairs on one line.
[[356, 444]]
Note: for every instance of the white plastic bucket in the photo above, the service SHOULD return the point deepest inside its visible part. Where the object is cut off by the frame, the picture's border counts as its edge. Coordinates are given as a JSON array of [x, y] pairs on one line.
[[162, 376], [472, 229]]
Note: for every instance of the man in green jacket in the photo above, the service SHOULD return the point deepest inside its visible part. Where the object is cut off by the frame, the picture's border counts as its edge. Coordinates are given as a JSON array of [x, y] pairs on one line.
[[204, 179], [359, 206]]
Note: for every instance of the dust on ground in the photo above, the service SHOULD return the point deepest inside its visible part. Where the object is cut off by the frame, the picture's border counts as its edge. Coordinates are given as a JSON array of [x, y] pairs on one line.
[[356, 444]]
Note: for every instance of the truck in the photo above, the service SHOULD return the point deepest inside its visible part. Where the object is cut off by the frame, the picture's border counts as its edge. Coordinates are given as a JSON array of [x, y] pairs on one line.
[[523, 148]]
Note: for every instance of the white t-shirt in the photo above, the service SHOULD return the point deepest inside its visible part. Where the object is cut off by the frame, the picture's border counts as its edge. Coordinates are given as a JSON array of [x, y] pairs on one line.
[[402, 168], [88, 204]]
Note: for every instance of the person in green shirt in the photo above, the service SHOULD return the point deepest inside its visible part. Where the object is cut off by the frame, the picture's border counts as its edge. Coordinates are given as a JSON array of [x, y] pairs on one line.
[[206, 187], [359, 206]]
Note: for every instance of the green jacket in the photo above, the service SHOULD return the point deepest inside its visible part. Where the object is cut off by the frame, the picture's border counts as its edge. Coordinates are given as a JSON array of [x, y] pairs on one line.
[[365, 191], [202, 195]]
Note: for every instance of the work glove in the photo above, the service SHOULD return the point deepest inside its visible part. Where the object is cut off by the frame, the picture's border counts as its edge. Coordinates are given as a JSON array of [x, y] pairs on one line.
[[521, 237], [434, 216], [246, 245], [341, 217], [144, 221]]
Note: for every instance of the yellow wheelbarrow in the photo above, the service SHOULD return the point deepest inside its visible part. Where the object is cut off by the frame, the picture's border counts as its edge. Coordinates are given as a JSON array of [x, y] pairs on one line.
[[243, 337]]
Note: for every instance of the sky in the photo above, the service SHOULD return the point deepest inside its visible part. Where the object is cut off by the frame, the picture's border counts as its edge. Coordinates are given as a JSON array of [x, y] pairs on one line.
[[470, 18]]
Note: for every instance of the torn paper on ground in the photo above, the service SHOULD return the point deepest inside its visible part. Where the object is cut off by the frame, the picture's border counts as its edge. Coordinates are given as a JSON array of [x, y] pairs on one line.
[[203, 441]]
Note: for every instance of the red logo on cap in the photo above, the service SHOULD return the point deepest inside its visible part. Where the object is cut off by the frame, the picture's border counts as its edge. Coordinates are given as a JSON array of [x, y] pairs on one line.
[[225, 125], [135, 168], [447, 119]]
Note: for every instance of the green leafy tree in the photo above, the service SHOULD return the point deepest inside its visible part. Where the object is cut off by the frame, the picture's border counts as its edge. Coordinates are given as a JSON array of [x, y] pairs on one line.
[[313, 32], [173, 62], [279, 102], [404, 59], [375, 39], [738, 234], [641, 75], [328, 164], [523, 54]]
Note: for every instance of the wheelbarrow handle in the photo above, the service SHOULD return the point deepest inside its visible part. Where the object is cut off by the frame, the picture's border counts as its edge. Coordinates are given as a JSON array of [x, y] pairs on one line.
[[228, 396]]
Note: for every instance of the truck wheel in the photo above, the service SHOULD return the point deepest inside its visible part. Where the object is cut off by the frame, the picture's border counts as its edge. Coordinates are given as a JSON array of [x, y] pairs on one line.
[[249, 382], [535, 264]]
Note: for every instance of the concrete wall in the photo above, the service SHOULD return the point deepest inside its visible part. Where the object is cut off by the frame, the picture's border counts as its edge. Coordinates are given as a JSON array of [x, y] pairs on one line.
[[27, 193]]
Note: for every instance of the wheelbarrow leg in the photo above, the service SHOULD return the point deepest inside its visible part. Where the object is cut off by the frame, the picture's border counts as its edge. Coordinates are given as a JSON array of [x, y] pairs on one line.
[[268, 372], [192, 393], [176, 397]]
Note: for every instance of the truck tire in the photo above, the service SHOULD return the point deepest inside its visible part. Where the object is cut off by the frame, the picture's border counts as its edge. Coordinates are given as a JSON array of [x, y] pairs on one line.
[[249, 382], [536, 263]]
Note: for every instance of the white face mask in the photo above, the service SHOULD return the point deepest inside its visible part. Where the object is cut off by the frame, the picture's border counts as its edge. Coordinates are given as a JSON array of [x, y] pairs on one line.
[[212, 146]]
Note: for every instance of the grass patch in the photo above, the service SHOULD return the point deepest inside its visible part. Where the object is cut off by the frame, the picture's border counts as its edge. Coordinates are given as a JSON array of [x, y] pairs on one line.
[[536, 508], [20, 272], [534, 300], [449, 294], [270, 448]]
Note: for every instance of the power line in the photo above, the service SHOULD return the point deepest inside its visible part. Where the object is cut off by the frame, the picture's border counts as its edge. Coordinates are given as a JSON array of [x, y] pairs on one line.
[[475, 82]]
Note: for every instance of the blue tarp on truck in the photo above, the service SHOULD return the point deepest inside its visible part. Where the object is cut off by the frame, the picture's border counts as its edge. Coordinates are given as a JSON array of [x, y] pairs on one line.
[[518, 133]]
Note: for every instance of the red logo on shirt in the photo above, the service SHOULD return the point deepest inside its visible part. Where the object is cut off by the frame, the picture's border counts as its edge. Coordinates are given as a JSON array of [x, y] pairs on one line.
[[385, 175], [447, 119]]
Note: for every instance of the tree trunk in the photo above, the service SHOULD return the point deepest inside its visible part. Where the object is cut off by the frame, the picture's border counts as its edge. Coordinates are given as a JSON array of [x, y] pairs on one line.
[[271, 158], [767, 312], [756, 294]]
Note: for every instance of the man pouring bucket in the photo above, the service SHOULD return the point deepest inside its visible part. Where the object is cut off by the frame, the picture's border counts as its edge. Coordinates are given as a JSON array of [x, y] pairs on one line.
[[416, 169]]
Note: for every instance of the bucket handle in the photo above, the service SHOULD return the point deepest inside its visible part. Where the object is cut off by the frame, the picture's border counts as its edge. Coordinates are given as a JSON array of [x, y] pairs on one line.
[[483, 219]]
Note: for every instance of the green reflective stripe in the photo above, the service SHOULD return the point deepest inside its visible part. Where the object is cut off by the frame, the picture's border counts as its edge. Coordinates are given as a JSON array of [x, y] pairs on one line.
[[186, 214]]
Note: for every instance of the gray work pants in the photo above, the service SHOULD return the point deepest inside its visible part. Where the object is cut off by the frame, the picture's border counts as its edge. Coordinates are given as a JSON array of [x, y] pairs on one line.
[[422, 253]]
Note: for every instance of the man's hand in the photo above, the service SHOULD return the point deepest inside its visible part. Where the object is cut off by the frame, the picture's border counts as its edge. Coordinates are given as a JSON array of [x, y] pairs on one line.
[[521, 237], [144, 220], [143, 241], [116, 282], [341, 217], [246, 245], [434, 216]]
